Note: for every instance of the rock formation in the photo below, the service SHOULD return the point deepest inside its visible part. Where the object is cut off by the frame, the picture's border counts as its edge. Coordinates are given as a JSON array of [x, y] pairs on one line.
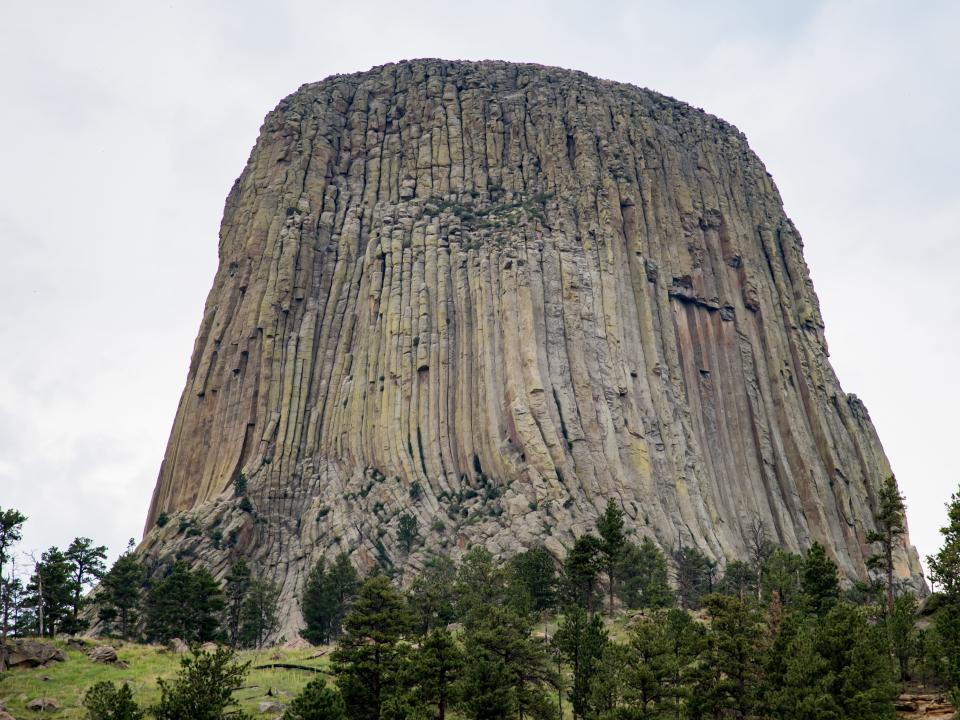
[[493, 296]]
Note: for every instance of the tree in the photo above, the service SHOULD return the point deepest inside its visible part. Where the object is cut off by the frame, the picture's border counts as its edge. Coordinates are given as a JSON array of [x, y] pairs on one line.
[[11, 529], [650, 669], [185, 604], [369, 658], [581, 639], [582, 569], [819, 582], [237, 585], [480, 583], [901, 628], [890, 519], [326, 598], [437, 665], [507, 671], [945, 565], [732, 658], [258, 617], [407, 531], [86, 566], [761, 550], [120, 594], [693, 576], [738, 580], [781, 577], [105, 701], [316, 702], [49, 592], [536, 571], [203, 688], [432, 597], [642, 570], [612, 541]]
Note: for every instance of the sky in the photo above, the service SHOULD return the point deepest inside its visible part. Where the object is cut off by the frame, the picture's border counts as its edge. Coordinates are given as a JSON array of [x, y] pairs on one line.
[[124, 124]]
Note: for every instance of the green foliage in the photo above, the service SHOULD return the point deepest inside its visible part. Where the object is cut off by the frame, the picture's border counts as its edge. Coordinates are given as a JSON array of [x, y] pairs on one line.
[[536, 572], [237, 584], [642, 570], [612, 543], [245, 505], [436, 668], [326, 598], [407, 532], [258, 616], [739, 580], [86, 566], [901, 628], [104, 701], [120, 596], [781, 577], [945, 564], [507, 672], [581, 640], [49, 593], [369, 659], [162, 519], [818, 579], [432, 596], [316, 702], [186, 604], [582, 571], [239, 485], [694, 575], [890, 520], [203, 689]]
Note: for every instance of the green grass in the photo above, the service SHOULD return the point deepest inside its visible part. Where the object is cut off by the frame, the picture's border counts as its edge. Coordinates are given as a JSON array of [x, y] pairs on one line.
[[67, 682]]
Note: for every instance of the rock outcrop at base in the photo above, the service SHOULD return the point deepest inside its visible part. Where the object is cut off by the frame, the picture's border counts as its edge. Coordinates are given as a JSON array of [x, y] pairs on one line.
[[492, 296]]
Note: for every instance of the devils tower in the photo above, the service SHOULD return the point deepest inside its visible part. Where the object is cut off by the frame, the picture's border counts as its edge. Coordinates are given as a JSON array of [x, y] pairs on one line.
[[491, 296]]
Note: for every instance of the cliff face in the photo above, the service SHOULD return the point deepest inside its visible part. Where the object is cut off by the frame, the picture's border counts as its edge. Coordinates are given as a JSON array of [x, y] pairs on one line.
[[492, 296]]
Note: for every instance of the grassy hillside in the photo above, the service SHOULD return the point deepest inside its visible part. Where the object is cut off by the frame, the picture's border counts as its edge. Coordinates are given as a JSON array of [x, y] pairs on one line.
[[67, 682]]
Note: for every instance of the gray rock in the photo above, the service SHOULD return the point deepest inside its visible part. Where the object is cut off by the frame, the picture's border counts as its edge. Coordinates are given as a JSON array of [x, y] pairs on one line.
[[43, 704]]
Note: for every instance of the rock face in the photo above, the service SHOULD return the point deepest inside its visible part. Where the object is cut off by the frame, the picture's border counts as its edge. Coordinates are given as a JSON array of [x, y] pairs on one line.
[[493, 296], [29, 654]]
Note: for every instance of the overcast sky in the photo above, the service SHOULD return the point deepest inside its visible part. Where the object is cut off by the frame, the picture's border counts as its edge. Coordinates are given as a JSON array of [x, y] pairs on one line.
[[124, 124]]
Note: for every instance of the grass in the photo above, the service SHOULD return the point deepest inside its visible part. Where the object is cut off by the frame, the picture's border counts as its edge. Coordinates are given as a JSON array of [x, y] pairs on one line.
[[67, 682]]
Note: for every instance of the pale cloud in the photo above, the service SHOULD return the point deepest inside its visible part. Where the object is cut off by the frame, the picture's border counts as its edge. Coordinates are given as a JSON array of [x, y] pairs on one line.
[[125, 125]]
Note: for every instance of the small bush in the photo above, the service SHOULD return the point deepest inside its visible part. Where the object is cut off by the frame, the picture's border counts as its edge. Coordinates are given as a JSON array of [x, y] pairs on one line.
[[203, 689], [245, 505], [104, 701], [162, 519]]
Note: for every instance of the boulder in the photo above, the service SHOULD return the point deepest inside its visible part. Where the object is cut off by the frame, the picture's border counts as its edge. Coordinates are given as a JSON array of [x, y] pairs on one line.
[[270, 706], [43, 704], [176, 645], [103, 654], [210, 647], [29, 653]]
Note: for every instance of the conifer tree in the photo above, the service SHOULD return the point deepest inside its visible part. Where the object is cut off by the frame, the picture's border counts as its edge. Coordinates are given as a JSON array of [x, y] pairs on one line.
[[612, 542], [437, 666], [186, 604], [258, 616], [317, 701], [819, 581], [536, 571], [237, 585], [432, 597], [581, 639], [11, 529], [86, 566], [49, 592], [369, 659], [890, 520], [693, 576], [120, 594], [582, 569], [642, 572]]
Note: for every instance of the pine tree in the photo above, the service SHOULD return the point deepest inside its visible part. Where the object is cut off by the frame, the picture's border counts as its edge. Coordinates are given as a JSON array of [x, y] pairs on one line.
[[203, 688], [186, 604], [86, 566], [317, 701], [326, 598], [582, 569], [11, 529], [761, 549], [890, 519], [536, 571], [738, 580], [120, 595], [945, 564], [369, 659], [236, 586], [693, 576], [436, 667], [901, 629], [407, 532], [258, 616], [781, 577], [581, 639], [819, 582], [105, 701], [432, 597], [642, 570], [507, 672], [612, 542], [49, 592]]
